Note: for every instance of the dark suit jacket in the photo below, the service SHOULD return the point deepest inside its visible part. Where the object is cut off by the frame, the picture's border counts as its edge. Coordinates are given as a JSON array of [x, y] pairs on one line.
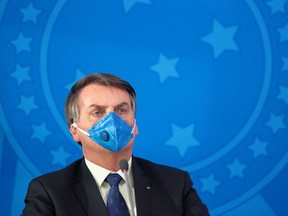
[[159, 191]]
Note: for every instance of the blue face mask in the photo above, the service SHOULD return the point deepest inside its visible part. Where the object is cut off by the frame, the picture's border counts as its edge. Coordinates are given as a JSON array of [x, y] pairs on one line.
[[110, 132]]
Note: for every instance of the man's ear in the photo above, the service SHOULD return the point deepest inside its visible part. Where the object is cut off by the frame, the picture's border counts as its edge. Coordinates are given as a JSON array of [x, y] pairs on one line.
[[73, 131], [135, 131]]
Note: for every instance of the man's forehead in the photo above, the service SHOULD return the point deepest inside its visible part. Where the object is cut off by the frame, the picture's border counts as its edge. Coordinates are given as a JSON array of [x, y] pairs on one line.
[[97, 88], [94, 94]]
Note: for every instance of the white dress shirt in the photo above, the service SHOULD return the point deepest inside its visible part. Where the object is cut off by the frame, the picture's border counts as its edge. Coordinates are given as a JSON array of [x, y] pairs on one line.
[[100, 174]]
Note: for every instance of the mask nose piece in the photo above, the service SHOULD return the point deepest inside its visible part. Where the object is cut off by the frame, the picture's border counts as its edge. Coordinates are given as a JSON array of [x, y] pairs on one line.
[[104, 135]]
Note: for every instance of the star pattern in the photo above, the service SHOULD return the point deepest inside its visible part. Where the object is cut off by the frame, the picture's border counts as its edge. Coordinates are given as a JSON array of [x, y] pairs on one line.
[[21, 74], [209, 184], [236, 168], [277, 6], [276, 122], [165, 68], [1, 145], [128, 4], [30, 13], [182, 139], [285, 64], [221, 38], [79, 75], [60, 156], [259, 148], [22, 43], [40, 132], [27, 104], [283, 33], [283, 95]]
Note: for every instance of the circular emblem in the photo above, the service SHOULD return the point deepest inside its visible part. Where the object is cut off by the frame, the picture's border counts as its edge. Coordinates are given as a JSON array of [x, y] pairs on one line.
[[210, 98]]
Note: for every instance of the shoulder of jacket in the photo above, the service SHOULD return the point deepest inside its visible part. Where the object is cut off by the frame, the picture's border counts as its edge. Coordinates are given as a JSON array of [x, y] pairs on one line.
[[71, 168]]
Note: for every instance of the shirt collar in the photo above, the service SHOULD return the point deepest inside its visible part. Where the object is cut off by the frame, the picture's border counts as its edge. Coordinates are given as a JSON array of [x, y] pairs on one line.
[[99, 173]]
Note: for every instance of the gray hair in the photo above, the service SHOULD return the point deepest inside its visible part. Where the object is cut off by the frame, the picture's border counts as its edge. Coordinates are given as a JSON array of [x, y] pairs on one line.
[[71, 106]]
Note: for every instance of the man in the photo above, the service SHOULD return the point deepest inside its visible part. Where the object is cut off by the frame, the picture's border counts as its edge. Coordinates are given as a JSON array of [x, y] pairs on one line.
[[100, 113]]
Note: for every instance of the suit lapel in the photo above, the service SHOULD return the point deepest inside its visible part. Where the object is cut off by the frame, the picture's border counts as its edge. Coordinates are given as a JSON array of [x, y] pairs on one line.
[[142, 189], [88, 193]]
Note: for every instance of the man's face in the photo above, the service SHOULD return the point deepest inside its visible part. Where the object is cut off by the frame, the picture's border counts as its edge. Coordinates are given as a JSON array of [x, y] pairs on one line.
[[95, 101]]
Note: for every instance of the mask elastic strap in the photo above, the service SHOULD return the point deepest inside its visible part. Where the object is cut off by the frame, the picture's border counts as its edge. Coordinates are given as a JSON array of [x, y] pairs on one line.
[[81, 130], [134, 126]]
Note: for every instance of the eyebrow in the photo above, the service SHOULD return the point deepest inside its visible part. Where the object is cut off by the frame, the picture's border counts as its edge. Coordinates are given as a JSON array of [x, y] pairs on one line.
[[102, 106], [95, 106], [122, 104]]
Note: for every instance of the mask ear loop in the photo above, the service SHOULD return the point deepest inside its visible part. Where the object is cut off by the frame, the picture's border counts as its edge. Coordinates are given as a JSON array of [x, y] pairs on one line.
[[81, 130], [134, 126]]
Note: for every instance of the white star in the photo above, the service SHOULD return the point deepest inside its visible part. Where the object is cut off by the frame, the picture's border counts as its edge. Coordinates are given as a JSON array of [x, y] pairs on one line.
[[27, 104], [22, 43], [40, 132], [128, 4], [259, 148], [283, 33], [285, 63], [276, 123], [30, 13], [283, 94], [182, 139], [209, 184], [165, 68], [277, 6], [21, 74], [78, 76], [221, 38], [236, 168], [60, 156]]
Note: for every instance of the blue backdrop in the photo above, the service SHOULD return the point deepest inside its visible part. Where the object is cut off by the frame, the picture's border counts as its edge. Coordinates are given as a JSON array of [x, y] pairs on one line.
[[212, 84]]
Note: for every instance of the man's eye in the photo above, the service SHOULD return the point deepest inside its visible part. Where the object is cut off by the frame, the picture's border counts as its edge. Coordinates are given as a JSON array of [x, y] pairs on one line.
[[122, 110], [96, 113]]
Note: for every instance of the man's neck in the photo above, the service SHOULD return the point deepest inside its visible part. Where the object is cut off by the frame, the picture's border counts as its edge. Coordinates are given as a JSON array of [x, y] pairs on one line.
[[109, 160]]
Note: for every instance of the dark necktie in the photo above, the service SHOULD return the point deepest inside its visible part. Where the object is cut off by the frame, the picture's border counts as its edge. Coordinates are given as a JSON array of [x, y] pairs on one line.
[[115, 202]]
